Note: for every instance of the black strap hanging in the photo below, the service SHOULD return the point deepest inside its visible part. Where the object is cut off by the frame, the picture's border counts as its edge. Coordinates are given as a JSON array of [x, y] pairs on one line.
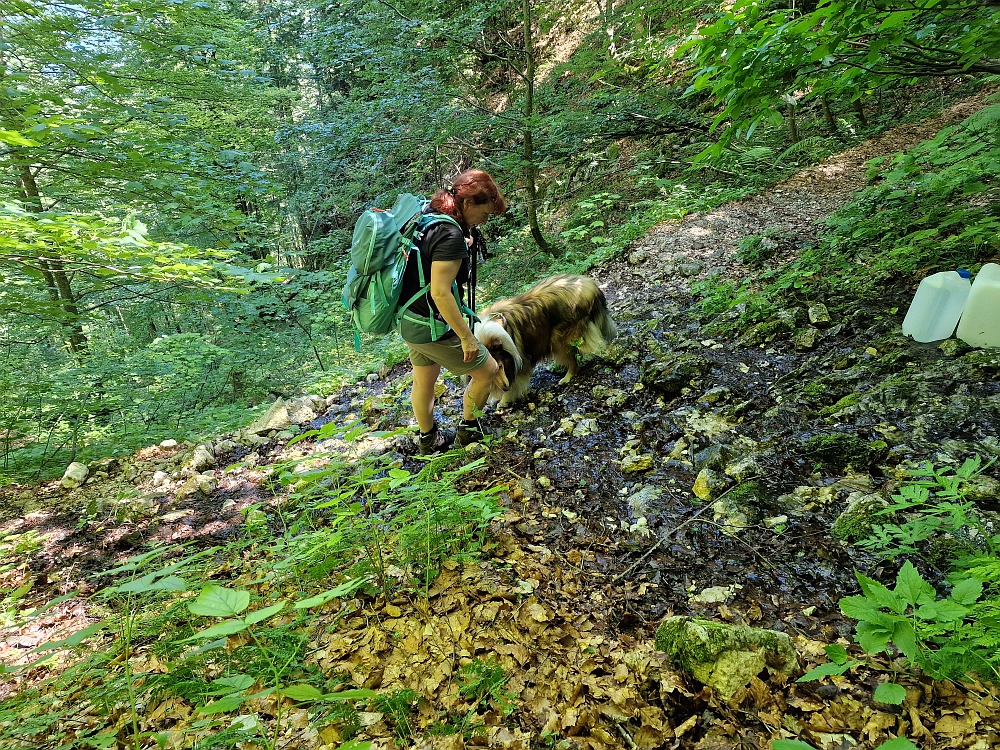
[[478, 246]]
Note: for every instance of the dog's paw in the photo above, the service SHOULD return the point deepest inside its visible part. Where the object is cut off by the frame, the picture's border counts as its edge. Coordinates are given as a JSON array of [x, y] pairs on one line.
[[566, 378]]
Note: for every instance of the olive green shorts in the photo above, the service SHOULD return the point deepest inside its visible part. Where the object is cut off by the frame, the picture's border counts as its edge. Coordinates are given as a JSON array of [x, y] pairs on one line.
[[447, 353]]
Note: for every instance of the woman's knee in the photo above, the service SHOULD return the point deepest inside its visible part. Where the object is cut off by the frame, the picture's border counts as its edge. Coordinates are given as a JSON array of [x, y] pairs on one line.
[[485, 371]]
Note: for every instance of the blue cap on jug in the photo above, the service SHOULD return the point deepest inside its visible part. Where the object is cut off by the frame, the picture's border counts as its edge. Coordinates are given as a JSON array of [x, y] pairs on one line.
[[963, 273]]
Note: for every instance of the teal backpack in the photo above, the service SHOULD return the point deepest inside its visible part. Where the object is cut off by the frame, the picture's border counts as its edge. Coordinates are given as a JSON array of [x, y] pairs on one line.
[[381, 247]]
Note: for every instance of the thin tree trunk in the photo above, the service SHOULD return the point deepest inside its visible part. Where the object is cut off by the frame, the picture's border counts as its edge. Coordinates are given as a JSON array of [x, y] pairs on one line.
[[831, 123], [859, 110], [530, 168], [54, 273], [793, 124]]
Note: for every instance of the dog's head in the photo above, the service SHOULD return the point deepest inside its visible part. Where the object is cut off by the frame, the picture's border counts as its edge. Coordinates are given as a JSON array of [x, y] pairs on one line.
[[501, 346], [501, 383]]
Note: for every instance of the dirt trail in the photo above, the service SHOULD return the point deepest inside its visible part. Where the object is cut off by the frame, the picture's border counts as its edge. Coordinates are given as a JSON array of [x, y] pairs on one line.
[[596, 540]]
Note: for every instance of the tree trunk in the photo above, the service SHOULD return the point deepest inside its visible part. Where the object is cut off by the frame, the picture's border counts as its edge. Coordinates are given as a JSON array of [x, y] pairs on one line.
[[530, 168], [859, 110], [56, 279], [831, 123], [793, 124]]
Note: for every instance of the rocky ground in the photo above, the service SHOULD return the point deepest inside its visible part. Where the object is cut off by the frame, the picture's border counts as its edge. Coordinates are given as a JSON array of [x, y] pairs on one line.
[[682, 474]]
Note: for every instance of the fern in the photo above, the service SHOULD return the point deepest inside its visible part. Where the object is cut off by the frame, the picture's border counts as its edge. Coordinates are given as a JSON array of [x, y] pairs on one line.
[[808, 149], [985, 120]]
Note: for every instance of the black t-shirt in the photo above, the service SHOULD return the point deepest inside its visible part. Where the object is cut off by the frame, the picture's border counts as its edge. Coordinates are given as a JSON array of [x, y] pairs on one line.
[[442, 241]]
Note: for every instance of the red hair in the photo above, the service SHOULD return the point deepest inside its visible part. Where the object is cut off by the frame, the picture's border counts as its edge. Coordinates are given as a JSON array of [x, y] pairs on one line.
[[473, 184]]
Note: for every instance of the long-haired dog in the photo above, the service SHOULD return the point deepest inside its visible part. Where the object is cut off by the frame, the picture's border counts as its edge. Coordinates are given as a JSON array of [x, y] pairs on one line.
[[555, 319]]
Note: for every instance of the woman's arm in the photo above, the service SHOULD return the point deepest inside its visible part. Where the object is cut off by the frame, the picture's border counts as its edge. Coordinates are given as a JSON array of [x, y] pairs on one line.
[[443, 274]]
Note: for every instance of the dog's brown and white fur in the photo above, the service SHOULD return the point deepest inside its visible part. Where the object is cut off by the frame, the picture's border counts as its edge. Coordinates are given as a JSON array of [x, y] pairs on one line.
[[555, 319]]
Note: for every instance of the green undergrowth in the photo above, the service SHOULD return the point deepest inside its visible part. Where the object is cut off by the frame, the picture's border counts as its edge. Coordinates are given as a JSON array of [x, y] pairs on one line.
[[222, 629], [944, 622], [932, 208], [180, 386]]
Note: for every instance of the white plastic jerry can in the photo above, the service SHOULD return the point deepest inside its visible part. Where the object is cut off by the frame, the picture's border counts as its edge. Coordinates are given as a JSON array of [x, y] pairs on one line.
[[937, 306], [980, 324]]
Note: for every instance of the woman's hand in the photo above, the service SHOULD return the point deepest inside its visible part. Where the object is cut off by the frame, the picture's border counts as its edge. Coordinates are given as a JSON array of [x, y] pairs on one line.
[[470, 348]]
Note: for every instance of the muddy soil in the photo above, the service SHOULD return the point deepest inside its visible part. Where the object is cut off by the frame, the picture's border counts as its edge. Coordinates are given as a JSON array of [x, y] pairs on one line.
[[653, 540]]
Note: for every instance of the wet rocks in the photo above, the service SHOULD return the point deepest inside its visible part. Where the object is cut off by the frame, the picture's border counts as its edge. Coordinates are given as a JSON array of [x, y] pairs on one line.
[[201, 459], [714, 594], [725, 657], [806, 338], [819, 316], [806, 498], [634, 463], [103, 467], [859, 517], [670, 375], [577, 425], [642, 499], [760, 333], [840, 450], [199, 484], [709, 484], [713, 457], [613, 397], [983, 490], [953, 347], [744, 468], [302, 410], [714, 396], [638, 257], [275, 418], [75, 475], [789, 318]]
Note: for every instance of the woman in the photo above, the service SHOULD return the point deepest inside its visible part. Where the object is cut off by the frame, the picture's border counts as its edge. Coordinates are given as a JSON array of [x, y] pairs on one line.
[[432, 325]]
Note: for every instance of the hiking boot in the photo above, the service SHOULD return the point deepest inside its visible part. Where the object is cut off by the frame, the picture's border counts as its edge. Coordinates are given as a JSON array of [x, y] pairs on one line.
[[438, 439], [472, 431]]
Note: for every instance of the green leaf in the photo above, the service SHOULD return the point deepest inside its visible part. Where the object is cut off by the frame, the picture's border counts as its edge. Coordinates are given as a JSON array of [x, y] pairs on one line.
[[881, 595], [223, 705], [890, 692], [227, 685], [791, 745], [344, 589], [872, 638], [863, 609], [826, 670], [355, 745], [223, 628], [967, 591], [905, 639], [836, 653], [302, 692], [218, 601], [149, 583], [101, 740], [13, 138], [943, 610], [73, 640], [899, 743], [912, 588], [350, 695], [263, 614]]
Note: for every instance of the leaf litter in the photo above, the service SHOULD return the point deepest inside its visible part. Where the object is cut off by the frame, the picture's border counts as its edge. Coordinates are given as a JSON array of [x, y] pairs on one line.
[[560, 607]]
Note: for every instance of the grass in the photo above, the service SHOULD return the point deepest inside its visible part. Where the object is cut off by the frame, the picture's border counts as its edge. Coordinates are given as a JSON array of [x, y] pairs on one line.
[[354, 527]]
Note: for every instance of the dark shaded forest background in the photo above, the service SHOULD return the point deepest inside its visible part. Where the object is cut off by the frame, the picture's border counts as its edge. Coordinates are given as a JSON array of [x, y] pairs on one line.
[[179, 180]]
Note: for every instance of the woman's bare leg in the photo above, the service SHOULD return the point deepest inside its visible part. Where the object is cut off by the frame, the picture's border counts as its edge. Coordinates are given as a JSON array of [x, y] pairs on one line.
[[478, 390], [422, 395]]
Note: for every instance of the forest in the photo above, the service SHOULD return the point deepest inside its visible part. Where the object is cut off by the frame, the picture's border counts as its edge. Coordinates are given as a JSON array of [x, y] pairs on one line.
[[253, 556]]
